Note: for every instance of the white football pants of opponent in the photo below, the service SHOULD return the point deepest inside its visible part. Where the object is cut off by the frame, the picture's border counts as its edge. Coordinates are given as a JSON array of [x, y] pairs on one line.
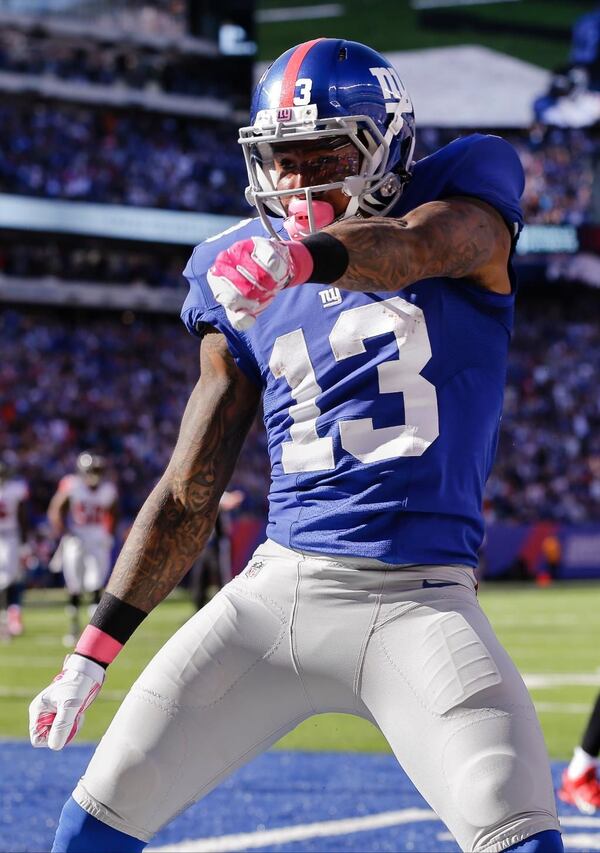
[[84, 561]]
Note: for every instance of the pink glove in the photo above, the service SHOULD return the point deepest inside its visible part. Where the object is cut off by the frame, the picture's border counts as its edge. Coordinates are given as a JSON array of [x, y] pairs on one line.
[[246, 277], [56, 714]]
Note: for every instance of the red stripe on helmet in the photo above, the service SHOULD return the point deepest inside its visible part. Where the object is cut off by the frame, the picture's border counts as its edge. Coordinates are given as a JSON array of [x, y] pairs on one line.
[[288, 84]]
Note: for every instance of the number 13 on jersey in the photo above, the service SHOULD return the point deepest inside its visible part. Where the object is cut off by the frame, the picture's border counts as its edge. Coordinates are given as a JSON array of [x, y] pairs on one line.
[[290, 359]]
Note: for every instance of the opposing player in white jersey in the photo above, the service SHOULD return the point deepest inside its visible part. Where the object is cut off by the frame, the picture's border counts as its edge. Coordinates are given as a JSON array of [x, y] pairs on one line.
[[13, 538], [83, 513], [372, 313]]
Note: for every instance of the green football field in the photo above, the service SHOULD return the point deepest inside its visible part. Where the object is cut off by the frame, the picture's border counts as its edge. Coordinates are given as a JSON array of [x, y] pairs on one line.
[[537, 31], [553, 634]]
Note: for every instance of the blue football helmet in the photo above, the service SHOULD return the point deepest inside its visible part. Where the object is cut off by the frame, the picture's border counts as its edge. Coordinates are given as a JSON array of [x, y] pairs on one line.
[[334, 91]]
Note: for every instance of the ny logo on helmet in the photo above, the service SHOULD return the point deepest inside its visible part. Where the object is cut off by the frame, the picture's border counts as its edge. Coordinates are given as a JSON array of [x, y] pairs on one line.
[[391, 86]]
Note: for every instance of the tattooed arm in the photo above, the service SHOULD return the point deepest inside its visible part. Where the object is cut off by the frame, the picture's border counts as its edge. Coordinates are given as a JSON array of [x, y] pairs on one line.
[[458, 237], [178, 517]]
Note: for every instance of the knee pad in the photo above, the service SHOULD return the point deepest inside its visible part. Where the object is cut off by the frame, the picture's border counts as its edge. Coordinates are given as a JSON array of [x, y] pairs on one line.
[[80, 832], [492, 786], [491, 771]]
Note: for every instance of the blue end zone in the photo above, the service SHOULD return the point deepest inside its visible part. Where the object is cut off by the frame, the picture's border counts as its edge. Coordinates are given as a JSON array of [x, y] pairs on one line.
[[276, 791]]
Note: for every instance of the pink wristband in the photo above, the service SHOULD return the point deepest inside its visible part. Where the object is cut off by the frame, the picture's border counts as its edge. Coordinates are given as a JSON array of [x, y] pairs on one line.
[[302, 261], [98, 645]]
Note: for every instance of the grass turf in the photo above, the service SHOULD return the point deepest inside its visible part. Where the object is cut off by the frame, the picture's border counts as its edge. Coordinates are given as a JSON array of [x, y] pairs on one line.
[[537, 31], [547, 631]]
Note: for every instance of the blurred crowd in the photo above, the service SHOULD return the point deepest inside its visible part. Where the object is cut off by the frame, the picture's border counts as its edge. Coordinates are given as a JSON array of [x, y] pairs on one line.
[[558, 164], [123, 18], [548, 463], [119, 385], [559, 170], [152, 160], [133, 158], [88, 259], [80, 60], [164, 18]]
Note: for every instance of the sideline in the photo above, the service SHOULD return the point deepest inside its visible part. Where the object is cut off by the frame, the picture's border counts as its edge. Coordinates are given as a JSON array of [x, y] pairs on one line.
[[301, 832], [286, 834]]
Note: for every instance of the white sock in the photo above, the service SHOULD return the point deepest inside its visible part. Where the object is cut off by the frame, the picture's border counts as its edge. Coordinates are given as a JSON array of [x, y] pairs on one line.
[[580, 762]]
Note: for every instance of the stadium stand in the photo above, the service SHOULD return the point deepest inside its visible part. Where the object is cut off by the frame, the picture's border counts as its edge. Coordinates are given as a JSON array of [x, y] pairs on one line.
[[76, 369], [60, 150], [63, 380], [548, 464], [76, 58], [558, 163], [91, 260], [136, 116], [74, 152]]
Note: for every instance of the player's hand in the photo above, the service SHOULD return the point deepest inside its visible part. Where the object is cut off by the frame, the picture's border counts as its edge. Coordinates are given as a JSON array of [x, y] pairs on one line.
[[246, 277], [56, 714]]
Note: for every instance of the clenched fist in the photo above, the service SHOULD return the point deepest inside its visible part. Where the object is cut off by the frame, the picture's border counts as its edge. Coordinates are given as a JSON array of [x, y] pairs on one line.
[[246, 277], [56, 714]]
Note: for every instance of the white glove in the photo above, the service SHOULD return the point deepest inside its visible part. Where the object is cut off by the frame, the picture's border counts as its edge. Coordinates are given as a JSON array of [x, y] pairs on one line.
[[56, 714], [246, 277]]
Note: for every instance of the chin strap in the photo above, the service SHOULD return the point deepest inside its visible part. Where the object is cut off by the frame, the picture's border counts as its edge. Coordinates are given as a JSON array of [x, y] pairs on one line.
[[297, 223]]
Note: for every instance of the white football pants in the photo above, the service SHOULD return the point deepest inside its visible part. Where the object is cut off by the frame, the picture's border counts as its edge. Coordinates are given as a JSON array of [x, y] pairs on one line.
[[10, 564], [85, 562], [296, 635]]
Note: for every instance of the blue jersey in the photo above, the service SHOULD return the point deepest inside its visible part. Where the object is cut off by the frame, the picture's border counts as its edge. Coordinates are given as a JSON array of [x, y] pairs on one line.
[[381, 409]]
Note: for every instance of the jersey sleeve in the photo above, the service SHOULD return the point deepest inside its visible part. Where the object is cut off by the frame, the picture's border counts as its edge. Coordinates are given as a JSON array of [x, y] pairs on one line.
[[489, 168], [200, 306], [66, 485], [110, 493], [22, 491]]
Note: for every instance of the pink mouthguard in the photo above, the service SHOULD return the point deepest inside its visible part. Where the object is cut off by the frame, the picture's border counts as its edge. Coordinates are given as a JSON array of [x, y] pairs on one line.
[[297, 225]]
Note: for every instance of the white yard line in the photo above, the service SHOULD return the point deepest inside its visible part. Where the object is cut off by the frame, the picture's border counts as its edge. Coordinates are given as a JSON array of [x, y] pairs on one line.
[[28, 662], [579, 841], [301, 832], [533, 680], [29, 693], [442, 4], [581, 820], [540, 621], [563, 707], [541, 680], [119, 695]]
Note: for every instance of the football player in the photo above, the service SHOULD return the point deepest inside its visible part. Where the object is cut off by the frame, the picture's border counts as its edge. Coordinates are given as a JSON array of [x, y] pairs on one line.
[[13, 543], [370, 305], [580, 784], [83, 513]]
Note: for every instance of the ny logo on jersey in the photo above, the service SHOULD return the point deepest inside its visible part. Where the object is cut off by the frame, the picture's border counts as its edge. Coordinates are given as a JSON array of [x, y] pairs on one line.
[[330, 297]]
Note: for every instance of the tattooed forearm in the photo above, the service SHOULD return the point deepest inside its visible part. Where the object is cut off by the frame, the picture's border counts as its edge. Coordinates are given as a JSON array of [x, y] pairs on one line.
[[457, 238], [178, 516]]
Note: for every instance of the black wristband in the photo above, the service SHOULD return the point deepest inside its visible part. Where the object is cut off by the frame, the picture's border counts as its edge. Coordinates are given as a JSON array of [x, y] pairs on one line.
[[330, 257], [117, 618]]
